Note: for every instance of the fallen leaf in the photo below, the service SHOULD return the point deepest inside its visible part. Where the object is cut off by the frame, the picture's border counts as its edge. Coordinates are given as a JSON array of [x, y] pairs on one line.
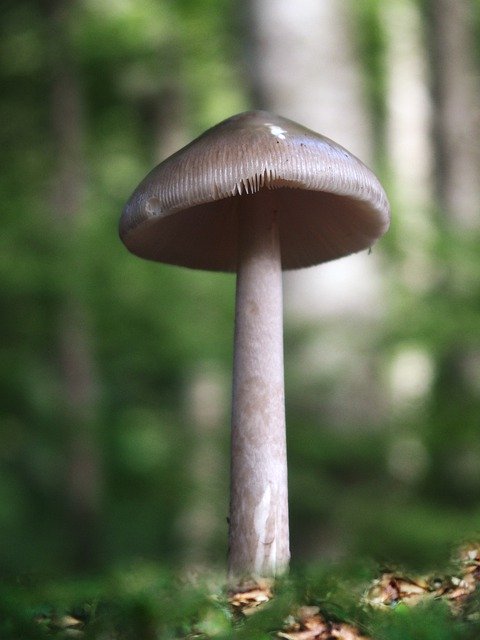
[[250, 597], [309, 624]]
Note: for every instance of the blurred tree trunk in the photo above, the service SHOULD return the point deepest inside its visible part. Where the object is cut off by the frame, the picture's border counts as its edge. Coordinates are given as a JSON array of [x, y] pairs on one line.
[[202, 524], [456, 116], [303, 64], [409, 145], [455, 132], [302, 60], [77, 377], [163, 103]]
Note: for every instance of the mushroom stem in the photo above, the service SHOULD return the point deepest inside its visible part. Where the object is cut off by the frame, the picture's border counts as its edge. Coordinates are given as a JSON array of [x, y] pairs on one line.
[[258, 532]]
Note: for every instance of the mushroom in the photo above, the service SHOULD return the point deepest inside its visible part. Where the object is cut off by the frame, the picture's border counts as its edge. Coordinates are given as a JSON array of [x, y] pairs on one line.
[[256, 194]]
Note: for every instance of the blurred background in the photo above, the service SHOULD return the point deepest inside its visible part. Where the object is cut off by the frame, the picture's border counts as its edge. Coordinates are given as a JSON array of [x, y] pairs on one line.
[[115, 372]]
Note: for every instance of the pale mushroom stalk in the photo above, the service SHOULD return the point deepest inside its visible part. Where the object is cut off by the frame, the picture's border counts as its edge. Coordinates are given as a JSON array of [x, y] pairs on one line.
[[258, 531]]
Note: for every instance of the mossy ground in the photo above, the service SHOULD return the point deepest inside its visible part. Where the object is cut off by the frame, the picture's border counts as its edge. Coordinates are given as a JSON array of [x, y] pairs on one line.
[[146, 602]]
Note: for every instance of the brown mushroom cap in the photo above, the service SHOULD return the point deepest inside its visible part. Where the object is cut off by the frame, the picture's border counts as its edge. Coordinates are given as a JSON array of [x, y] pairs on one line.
[[185, 212]]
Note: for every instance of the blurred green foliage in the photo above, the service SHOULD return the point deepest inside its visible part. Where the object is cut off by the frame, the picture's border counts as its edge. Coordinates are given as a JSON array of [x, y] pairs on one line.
[[150, 326]]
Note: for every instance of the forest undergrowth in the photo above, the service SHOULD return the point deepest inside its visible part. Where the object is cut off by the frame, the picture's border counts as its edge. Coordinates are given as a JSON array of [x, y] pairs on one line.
[[356, 601]]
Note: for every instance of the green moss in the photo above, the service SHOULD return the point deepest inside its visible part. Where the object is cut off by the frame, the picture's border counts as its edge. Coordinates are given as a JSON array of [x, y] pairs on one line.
[[146, 601]]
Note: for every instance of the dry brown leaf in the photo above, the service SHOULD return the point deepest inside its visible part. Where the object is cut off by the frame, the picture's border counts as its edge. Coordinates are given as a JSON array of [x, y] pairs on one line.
[[250, 597], [306, 624], [344, 631], [470, 554], [67, 625], [460, 589], [309, 624], [67, 622], [391, 589]]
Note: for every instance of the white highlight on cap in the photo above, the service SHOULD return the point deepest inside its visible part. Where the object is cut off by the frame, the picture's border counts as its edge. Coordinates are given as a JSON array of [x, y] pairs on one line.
[[277, 131]]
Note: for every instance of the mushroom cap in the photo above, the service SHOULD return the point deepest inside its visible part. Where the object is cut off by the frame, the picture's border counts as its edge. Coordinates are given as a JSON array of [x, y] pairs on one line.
[[185, 212]]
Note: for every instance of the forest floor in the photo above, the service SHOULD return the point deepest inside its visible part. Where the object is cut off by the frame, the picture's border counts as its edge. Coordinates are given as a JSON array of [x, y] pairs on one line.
[[355, 602]]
